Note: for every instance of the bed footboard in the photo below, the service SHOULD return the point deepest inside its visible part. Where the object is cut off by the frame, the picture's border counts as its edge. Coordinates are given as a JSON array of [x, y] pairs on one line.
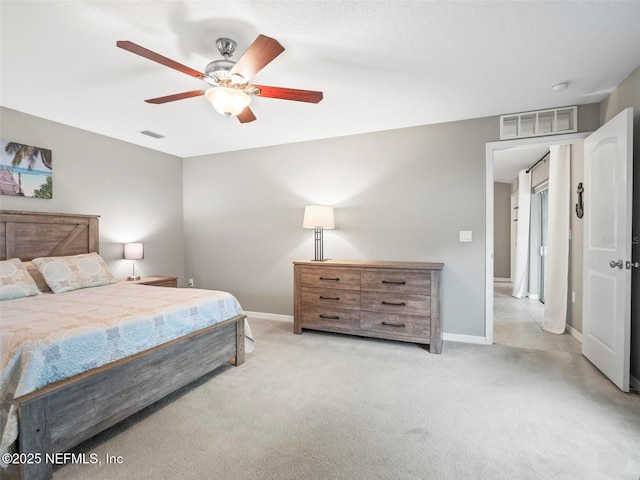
[[62, 415]]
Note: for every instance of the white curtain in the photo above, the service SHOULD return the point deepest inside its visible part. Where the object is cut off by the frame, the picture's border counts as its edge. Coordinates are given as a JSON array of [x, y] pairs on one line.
[[521, 280], [556, 279]]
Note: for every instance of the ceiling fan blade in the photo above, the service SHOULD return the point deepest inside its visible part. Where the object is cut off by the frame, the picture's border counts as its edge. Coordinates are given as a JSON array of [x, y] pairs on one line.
[[176, 96], [246, 115], [262, 51], [167, 62], [289, 94]]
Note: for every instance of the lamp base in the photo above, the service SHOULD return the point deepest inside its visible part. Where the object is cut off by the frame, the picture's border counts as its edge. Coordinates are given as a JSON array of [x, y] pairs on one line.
[[319, 247], [132, 277]]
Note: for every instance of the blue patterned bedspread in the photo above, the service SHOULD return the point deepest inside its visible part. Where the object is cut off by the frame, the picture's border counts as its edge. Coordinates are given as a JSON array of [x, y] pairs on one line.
[[51, 337]]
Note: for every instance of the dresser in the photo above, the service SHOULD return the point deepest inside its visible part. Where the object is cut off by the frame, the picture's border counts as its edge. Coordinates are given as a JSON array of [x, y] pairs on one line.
[[389, 300]]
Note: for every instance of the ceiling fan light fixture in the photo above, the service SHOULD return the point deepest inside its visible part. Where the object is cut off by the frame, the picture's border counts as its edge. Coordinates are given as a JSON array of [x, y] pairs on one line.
[[229, 90], [228, 101]]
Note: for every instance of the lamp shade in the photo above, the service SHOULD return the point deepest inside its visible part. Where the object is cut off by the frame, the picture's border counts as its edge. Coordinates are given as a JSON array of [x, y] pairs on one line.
[[227, 101], [318, 216], [133, 251]]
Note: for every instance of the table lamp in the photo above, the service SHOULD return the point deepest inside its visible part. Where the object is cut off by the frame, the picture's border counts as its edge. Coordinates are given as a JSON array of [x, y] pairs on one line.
[[318, 217]]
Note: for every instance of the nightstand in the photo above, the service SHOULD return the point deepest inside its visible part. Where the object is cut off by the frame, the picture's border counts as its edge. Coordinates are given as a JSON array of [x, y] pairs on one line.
[[156, 281]]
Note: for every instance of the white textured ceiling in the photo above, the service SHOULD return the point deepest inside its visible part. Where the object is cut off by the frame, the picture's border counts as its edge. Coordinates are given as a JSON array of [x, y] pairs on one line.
[[507, 163], [381, 65]]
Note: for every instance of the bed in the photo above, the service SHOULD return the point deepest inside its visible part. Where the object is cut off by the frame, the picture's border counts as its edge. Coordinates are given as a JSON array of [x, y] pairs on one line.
[[75, 405]]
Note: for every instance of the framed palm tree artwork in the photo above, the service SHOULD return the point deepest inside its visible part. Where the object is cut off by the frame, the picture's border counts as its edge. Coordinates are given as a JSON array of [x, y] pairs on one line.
[[25, 171]]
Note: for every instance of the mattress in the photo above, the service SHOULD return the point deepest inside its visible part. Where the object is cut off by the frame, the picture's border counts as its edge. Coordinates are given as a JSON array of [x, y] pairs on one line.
[[50, 337]]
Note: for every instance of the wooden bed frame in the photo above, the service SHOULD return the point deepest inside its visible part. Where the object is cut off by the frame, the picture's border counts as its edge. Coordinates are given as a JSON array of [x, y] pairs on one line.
[[59, 416]]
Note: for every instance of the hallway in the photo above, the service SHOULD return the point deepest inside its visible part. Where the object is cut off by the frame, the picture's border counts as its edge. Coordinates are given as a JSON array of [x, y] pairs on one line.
[[518, 323]]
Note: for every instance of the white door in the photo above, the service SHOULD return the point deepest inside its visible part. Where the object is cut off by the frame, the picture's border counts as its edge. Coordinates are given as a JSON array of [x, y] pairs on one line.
[[606, 323]]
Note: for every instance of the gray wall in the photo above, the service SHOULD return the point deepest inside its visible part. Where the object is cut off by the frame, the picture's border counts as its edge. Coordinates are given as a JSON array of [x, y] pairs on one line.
[[627, 94], [502, 230], [399, 195], [136, 191]]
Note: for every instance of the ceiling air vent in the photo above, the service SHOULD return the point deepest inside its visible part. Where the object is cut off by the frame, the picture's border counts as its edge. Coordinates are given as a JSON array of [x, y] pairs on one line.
[[149, 133], [538, 123]]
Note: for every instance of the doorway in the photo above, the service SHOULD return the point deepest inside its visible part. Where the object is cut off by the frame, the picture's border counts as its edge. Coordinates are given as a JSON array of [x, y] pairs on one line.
[[491, 150], [518, 322]]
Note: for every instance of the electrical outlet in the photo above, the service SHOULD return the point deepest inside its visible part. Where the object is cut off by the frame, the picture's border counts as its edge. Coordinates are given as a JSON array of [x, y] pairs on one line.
[[191, 282]]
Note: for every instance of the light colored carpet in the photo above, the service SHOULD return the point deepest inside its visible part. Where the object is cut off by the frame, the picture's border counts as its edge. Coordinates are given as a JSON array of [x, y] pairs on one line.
[[324, 406]]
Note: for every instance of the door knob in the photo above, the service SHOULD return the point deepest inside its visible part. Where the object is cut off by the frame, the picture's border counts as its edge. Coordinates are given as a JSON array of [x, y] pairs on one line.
[[614, 264]]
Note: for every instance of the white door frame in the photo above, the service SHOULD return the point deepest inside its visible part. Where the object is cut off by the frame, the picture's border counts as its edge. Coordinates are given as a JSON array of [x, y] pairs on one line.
[[493, 147]]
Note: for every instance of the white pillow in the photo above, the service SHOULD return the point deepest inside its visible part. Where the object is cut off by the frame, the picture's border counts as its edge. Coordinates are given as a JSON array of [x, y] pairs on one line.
[[64, 274], [15, 281]]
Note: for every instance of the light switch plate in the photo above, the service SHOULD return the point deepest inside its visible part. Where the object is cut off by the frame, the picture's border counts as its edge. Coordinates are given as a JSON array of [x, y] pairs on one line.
[[465, 236]]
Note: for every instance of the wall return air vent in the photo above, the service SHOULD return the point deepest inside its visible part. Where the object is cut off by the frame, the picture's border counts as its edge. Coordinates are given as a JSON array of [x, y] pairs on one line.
[[538, 123], [149, 133]]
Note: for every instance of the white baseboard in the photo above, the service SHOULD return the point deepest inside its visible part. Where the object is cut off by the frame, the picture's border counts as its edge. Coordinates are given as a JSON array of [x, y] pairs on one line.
[[269, 316], [534, 296], [456, 337], [452, 337], [501, 280], [574, 333]]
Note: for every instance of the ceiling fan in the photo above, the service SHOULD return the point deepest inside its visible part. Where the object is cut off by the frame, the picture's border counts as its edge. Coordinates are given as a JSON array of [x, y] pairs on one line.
[[229, 91]]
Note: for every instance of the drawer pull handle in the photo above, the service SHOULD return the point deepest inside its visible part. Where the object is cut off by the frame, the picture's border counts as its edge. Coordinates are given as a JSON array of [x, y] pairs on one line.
[[389, 282], [330, 317], [401, 325], [329, 298], [337, 279], [394, 304]]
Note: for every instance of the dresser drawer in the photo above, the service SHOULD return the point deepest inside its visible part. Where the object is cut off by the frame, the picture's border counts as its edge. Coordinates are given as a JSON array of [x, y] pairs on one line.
[[323, 277], [396, 281], [396, 303], [330, 298], [418, 327], [331, 319]]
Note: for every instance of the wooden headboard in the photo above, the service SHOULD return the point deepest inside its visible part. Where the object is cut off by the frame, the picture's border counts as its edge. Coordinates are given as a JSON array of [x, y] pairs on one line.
[[27, 235]]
